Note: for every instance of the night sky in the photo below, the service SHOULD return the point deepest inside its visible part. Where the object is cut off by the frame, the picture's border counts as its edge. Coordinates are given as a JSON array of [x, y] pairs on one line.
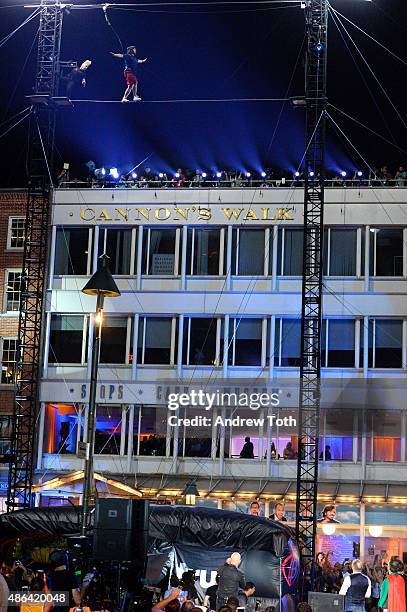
[[245, 51]]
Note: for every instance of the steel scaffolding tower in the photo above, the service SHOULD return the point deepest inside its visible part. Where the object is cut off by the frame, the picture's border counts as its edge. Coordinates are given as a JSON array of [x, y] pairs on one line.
[[316, 15], [39, 164]]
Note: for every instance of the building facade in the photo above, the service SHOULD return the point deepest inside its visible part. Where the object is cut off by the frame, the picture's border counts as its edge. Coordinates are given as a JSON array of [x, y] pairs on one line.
[[210, 283], [12, 218]]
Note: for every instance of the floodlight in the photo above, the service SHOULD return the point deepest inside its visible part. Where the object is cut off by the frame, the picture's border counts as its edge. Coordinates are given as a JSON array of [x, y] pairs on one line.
[[264, 174], [114, 173], [161, 175], [134, 175], [343, 173], [204, 175], [248, 174], [219, 174], [360, 173], [177, 175], [297, 173], [312, 173]]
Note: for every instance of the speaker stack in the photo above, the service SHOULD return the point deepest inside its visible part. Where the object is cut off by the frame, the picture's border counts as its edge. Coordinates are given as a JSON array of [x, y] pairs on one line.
[[326, 602], [121, 531]]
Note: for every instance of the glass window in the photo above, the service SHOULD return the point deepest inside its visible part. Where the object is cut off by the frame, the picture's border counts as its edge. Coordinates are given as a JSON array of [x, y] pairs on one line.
[[116, 243], [154, 340], [108, 430], [152, 423], [71, 251], [386, 249], [13, 291], [66, 339], [16, 233], [337, 439], [196, 441], [203, 251], [6, 431], [8, 360], [290, 262], [159, 252], [287, 351], [114, 339], [342, 256], [388, 342], [61, 428], [341, 343], [245, 342], [386, 431], [248, 252], [200, 336]]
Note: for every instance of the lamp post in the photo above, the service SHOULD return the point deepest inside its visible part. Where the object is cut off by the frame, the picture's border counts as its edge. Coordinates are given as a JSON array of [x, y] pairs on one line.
[[102, 285], [191, 493]]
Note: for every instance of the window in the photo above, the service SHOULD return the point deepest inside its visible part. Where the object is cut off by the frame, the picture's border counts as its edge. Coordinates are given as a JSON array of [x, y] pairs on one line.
[[66, 339], [151, 422], [287, 352], [195, 441], [108, 430], [6, 431], [338, 343], [384, 427], [13, 291], [154, 340], [71, 251], [16, 233], [199, 341], [385, 343], [336, 441], [386, 252], [290, 252], [116, 243], [342, 252], [245, 342], [248, 252], [8, 360], [203, 252], [159, 248], [113, 346], [61, 428]]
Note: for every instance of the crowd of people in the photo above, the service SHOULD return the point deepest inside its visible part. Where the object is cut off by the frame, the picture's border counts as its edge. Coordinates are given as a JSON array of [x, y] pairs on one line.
[[271, 177]]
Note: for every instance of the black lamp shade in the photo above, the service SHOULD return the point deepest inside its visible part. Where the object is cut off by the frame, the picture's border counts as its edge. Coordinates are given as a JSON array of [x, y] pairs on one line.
[[102, 282]]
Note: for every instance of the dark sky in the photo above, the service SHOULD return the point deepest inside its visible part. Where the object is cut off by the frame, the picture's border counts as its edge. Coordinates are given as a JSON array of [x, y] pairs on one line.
[[210, 52]]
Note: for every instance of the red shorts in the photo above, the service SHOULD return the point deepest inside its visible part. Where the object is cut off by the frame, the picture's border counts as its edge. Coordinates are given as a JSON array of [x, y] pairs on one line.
[[130, 77]]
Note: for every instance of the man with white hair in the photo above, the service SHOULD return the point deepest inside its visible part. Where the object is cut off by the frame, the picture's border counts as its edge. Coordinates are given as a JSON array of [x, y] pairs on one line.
[[231, 579], [357, 587]]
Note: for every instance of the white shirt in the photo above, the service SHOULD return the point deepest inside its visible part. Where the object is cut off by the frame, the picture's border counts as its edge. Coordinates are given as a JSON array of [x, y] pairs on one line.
[[4, 593], [347, 584]]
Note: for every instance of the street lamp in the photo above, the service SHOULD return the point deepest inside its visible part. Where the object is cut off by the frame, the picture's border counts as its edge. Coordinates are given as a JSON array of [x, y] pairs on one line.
[[102, 285], [191, 493]]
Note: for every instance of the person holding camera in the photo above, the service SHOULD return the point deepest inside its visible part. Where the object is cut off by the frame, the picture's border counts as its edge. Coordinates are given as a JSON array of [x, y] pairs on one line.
[[60, 579]]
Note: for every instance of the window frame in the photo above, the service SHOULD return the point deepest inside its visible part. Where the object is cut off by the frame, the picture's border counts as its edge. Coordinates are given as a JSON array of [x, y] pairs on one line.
[[5, 292], [142, 327], [187, 341], [145, 255], [190, 261], [325, 323], [9, 228], [3, 339], [85, 340]]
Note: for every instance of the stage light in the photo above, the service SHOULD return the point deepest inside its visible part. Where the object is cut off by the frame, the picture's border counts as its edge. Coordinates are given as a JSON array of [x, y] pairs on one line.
[[329, 528], [177, 175], [103, 171], [375, 531], [204, 175], [264, 174], [161, 175], [114, 173], [248, 174], [312, 173], [360, 173], [191, 493], [319, 47], [134, 175], [219, 174], [343, 173], [297, 173]]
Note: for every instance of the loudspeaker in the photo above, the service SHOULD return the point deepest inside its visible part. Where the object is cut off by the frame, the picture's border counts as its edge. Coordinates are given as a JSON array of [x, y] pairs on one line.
[[326, 602], [121, 531]]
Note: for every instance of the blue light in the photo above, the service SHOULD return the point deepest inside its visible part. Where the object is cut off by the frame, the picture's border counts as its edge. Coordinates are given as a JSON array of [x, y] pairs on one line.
[[297, 173], [103, 171], [360, 173], [114, 173], [312, 173], [264, 174], [134, 175], [343, 173], [161, 175], [219, 174], [177, 175], [204, 175], [319, 46], [248, 174]]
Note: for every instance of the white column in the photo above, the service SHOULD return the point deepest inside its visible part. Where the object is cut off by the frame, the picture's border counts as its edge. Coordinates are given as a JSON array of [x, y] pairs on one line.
[[267, 508], [269, 432], [263, 342], [52, 259], [403, 435], [139, 257], [362, 529], [218, 348], [184, 257], [367, 258], [355, 445], [136, 322], [214, 444], [79, 426], [133, 251], [404, 253], [229, 270], [222, 443], [404, 345], [220, 504], [95, 249], [168, 440], [365, 346], [180, 344], [359, 263], [266, 251], [357, 343], [275, 257], [123, 430], [85, 421], [222, 271], [138, 430], [261, 434], [41, 436], [46, 344], [225, 346], [90, 342], [177, 244], [364, 442], [130, 438], [272, 340], [173, 336], [90, 261]]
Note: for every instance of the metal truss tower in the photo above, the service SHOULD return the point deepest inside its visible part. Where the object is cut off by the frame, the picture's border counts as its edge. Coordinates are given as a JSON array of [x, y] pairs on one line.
[[33, 285], [316, 15]]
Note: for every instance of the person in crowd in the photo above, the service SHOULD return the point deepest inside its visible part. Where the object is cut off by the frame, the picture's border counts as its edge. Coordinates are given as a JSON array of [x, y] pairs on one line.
[[270, 609], [131, 63], [247, 451], [328, 455], [400, 177], [77, 78], [174, 584], [393, 589], [187, 606], [328, 514], [188, 585], [61, 579], [254, 508], [303, 606], [278, 514], [231, 579], [225, 609], [4, 593], [233, 603], [211, 595], [358, 588], [170, 603], [337, 577], [248, 591], [289, 452]]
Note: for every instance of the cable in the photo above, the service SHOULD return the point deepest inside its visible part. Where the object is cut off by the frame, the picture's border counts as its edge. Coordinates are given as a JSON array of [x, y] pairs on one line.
[[4, 40], [16, 124], [221, 12], [14, 116], [186, 101], [203, 3]]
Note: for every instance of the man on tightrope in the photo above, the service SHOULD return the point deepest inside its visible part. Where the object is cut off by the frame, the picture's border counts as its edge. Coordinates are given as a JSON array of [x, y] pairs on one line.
[[131, 63]]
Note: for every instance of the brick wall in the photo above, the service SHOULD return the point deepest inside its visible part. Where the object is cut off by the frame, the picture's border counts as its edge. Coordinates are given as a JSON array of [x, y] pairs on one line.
[[12, 204]]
